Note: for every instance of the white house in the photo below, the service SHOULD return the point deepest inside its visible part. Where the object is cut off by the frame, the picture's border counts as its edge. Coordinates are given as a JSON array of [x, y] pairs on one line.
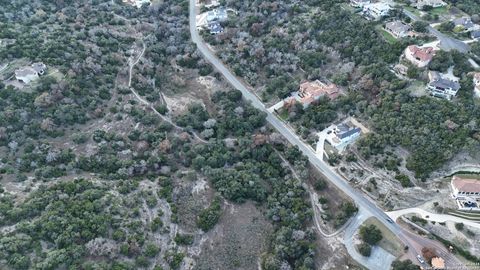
[[343, 135], [466, 191], [215, 28], [359, 3], [476, 81], [443, 88], [210, 3], [376, 11], [28, 74], [463, 187], [137, 3], [475, 34], [217, 15], [465, 24], [420, 4]]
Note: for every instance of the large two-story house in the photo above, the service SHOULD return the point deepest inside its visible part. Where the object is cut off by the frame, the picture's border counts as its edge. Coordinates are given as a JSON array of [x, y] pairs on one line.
[[376, 11], [443, 88]]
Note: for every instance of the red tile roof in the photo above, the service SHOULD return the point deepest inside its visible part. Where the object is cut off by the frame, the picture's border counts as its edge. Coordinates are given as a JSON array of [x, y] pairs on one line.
[[466, 185], [424, 54], [310, 91], [476, 76]]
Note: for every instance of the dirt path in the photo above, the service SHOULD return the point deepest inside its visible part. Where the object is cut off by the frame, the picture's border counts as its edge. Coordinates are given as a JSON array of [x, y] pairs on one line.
[[131, 65], [314, 201]]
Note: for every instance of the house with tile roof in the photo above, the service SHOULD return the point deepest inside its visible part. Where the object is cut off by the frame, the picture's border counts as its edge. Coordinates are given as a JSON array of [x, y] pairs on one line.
[[312, 91], [438, 263], [466, 191], [419, 56]]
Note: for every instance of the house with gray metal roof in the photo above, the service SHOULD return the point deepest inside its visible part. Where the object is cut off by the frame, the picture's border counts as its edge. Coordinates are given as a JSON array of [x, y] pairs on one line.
[[443, 88], [475, 34], [342, 135], [466, 24]]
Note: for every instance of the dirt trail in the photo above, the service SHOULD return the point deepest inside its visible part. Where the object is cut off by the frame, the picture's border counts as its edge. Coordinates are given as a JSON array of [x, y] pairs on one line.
[[314, 201], [131, 65]]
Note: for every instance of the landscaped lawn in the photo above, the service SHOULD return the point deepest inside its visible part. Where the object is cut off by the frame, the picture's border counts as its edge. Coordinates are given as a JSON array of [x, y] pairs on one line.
[[439, 11], [388, 37], [413, 10], [283, 114]]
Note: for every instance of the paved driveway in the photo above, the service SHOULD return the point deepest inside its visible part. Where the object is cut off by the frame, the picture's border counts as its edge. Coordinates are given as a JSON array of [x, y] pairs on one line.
[[379, 259]]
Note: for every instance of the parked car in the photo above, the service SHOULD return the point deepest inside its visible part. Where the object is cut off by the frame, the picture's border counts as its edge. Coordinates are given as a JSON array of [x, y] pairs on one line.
[[420, 259]]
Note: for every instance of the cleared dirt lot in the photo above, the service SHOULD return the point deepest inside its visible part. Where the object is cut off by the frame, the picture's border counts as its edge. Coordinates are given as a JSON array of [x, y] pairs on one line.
[[237, 241]]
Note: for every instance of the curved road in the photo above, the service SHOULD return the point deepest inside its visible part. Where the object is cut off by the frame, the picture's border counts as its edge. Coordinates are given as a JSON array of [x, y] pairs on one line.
[[432, 216], [447, 43], [368, 207]]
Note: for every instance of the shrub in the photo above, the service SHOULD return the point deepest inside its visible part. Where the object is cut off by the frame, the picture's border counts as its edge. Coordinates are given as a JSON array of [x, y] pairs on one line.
[[404, 180], [370, 234], [184, 239], [365, 249], [151, 250], [209, 217]]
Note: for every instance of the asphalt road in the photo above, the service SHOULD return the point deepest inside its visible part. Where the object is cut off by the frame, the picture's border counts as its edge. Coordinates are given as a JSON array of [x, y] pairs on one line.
[[362, 202], [283, 129], [446, 43]]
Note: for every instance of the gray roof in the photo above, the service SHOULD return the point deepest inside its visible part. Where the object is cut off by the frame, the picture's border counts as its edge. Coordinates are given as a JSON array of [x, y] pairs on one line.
[[39, 66], [445, 84], [475, 34], [397, 26], [26, 71], [219, 14], [349, 133], [215, 28], [465, 22], [343, 127]]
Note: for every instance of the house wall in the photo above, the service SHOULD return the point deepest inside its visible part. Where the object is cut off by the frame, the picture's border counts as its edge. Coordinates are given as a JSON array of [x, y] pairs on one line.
[[26, 79], [350, 138]]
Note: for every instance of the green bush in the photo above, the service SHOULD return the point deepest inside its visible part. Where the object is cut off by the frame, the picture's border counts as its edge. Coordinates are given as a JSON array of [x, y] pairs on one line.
[[184, 239], [365, 249], [370, 234], [404, 180], [209, 216]]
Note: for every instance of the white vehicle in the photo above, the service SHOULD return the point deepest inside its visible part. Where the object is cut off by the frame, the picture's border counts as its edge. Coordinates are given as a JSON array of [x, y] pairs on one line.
[[420, 259]]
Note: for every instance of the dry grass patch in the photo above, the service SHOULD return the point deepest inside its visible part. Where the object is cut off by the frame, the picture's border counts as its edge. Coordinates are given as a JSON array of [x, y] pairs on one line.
[[389, 242]]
